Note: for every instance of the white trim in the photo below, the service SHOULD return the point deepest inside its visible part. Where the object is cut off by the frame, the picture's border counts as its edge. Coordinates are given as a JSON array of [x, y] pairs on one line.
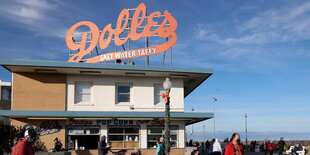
[[12, 96]]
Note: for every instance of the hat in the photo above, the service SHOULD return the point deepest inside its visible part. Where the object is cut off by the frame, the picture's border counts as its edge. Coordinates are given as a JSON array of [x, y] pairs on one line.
[[26, 133]]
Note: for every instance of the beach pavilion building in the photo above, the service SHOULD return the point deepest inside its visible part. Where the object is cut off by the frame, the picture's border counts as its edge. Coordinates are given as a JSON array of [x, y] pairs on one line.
[[80, 102]]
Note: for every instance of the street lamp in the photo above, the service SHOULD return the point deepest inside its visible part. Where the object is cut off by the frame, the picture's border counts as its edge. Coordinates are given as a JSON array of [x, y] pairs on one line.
[[246, 130], [192, 125], [167, 86], [204, 133], [214, 100]]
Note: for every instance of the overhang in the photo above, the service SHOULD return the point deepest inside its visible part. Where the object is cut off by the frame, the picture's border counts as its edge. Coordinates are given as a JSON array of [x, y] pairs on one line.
[[193, 77], [188, 117]]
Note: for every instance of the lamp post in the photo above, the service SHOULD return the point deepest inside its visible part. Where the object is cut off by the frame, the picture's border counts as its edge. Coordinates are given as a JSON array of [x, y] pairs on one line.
[[167, 86], [204, 133], [192, 125], [246, 130], [214, 100]]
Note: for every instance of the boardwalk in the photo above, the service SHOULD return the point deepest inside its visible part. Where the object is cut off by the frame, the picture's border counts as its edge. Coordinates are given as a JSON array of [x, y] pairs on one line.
[[190, 149]]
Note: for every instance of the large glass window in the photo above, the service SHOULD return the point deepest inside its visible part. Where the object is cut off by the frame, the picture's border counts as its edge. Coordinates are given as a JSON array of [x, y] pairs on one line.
[[83, 92], [124, 137], [123, 92], [158, 90], [81, 138], [5, 93], [155, 132]]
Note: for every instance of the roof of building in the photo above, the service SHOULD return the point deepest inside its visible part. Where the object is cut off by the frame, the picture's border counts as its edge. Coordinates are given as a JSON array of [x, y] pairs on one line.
[[189, 117], [193, 77]]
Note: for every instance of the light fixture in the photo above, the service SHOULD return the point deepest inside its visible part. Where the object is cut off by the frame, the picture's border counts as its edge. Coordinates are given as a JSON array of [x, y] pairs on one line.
[[92, 118], [134, 118], [167, 85], [179, 75], [135, 74], [90, 72], [45, 70], [48, 118]]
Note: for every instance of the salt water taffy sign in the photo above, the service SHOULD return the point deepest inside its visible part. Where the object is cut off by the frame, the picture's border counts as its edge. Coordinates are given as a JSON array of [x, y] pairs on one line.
[[166, 29]]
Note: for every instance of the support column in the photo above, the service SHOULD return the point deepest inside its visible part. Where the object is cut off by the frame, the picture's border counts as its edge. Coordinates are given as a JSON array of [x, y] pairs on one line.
[[143, 136], [182, 138]]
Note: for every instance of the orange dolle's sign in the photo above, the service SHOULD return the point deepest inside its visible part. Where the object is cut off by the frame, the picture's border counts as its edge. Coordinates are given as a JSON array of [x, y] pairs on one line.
[[137, 20]]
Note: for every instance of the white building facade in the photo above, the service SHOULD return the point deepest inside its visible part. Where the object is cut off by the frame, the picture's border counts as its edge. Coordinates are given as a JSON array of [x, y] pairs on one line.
[[122, 102]]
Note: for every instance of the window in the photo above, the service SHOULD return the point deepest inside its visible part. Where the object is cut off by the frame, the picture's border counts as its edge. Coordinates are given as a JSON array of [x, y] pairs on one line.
[[124, 137], [155, 132], [5, 93], [80, 137], [158, 90], [123, 92], [83, 92]]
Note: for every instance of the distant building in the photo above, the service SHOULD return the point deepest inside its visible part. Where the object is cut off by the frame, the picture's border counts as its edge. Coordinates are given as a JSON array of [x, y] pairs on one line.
[[80, 102]]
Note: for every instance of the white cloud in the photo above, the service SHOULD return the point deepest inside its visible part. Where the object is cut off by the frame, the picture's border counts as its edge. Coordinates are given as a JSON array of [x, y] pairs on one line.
[[34, 15], [36, 3], [290, 23], [248, 44]]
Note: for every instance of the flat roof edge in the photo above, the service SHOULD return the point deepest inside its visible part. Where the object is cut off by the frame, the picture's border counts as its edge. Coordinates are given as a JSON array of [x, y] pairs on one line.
[[94, 114], [65, 64]]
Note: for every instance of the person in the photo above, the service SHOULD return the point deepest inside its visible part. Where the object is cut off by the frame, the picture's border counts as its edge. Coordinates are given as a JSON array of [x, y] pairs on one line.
[[211, 147], [251, 146], [224, 145], [57, 145], [234, 147], [137, 152], [254, 145], [162, 141], [281, 144], [201, 148], [264, 147], [207, 144], [102, 145], [271, 147], [297, 147], [194, 152], [217, 149], [24, 145], [159, 148], [108, 148], [190, 143]]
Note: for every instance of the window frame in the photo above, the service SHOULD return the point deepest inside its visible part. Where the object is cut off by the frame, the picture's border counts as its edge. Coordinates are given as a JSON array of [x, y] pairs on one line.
[[90, 102], [8, 90], [117, 94], [159, 104], [124, 134], [173, 132]]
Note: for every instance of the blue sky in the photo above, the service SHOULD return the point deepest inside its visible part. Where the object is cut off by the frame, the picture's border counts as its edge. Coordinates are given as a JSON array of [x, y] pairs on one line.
[[258, 49]]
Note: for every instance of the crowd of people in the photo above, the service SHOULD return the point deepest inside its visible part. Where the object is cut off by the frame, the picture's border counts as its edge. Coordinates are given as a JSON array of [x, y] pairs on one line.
[[214, 147], [234, 146]]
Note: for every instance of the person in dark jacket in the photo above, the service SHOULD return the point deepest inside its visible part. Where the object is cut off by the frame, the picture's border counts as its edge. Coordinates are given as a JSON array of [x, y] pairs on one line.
[[281, 144], [57, 145], [24, 145], [162, 141], [207, 145], [102, 146], [234, 147], [108, 148]]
